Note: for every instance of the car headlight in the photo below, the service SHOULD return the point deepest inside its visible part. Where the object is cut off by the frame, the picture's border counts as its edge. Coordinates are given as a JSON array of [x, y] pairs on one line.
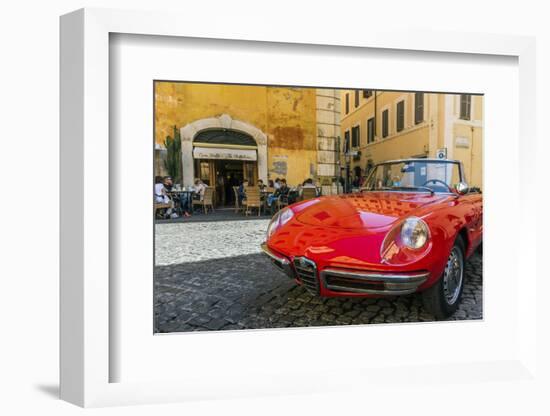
[[286, 215], [273, 224], [414, 233], [278, 220]]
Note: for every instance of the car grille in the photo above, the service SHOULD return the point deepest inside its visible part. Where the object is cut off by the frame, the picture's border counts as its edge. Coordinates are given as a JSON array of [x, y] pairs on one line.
[[307, 274], [342, 284], [372, 282]]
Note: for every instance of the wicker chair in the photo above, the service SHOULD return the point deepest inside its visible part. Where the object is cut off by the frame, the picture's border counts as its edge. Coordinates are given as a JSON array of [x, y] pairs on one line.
[[253, 199], [160, 209], [308, 193], [206, 200]]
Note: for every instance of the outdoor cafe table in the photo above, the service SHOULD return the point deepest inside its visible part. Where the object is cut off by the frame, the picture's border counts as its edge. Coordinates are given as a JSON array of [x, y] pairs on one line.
[[183, 195]]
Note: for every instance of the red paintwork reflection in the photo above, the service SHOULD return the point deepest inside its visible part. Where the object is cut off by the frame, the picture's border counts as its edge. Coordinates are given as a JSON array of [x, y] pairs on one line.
[[349, 231], [369, 210]]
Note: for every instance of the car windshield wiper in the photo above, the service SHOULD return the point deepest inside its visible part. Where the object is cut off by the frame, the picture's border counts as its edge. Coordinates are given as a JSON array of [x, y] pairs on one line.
[[423, 188], [399, 188]]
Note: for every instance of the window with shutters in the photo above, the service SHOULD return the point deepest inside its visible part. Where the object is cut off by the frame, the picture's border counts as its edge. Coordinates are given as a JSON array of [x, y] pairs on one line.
[[465, 106], [355, 137], [385, 123], [370, 130], [347, 103], [356, 98], [346, 142], [400, 116], [418, 107]]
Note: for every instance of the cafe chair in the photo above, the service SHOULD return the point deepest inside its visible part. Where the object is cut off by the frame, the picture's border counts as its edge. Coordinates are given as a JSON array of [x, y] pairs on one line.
[[161, 208], [253, 199], [207, 200], [282, 201], [308, 193]]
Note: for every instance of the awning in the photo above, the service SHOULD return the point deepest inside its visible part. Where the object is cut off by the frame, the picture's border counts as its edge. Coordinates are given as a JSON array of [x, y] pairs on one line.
[[227, 154]]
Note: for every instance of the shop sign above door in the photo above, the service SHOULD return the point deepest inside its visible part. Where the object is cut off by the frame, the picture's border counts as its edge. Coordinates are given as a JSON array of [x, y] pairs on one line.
[[226, 154]]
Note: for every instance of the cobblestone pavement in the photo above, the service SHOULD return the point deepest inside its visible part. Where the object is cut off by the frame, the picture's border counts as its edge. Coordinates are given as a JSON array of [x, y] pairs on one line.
[[225, 283]]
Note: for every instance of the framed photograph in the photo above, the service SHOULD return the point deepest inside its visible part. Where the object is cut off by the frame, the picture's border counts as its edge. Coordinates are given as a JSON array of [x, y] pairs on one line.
[[348, 193], [291, 214]]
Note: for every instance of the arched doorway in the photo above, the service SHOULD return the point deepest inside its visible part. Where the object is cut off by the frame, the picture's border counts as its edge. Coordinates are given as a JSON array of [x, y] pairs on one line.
[[224, 159], [221, 151]]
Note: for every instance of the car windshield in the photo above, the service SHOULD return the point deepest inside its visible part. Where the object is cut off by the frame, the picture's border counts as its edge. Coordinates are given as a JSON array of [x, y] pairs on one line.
[[414, 175]]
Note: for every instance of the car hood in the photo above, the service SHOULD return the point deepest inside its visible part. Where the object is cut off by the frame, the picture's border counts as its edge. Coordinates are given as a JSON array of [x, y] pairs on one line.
[[365, 210]]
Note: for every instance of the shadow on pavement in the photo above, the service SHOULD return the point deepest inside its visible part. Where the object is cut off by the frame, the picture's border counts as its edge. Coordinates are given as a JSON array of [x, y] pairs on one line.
[[246, 292]]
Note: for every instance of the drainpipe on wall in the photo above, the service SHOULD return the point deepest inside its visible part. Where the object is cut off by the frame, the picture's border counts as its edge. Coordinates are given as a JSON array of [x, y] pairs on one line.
[[471, 154], [375, 115]]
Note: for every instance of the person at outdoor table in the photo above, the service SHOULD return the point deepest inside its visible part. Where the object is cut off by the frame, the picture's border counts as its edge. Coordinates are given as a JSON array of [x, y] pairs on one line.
[[183, 202], [261, 184], [199, 189], [277, 184], [283, 190], [308, 183], [270, 183], [161, 197], [160, 191], [168, 183]]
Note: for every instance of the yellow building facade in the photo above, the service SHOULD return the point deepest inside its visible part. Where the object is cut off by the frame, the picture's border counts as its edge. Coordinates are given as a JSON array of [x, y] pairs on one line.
[[263, 132], [384, 125]]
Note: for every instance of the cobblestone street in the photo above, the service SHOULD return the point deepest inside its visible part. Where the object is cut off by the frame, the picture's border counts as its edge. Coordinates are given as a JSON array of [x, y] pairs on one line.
[[212, 276]]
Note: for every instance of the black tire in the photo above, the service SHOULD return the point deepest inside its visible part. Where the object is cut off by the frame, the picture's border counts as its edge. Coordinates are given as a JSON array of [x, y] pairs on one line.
[[436, 298]]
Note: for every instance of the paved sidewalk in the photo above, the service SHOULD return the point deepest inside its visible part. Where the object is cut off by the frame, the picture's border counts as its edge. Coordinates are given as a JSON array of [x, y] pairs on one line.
[[195, 241]]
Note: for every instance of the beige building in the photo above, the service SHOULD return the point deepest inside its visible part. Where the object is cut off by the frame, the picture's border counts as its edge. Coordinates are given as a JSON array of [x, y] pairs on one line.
[[249, 132], [385, 125]]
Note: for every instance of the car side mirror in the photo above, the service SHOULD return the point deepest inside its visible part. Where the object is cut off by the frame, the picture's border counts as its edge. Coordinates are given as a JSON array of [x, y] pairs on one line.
[[462, 188]]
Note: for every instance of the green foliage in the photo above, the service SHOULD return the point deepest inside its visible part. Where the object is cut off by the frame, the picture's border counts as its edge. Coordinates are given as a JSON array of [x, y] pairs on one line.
[[173, 155]]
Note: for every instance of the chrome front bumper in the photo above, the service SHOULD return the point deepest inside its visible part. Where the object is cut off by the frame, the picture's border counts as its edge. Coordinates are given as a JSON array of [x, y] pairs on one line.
[[280, 262], [346, 280], [374, 283]]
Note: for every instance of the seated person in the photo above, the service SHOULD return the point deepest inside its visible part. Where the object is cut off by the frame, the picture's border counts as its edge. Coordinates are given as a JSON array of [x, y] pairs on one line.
[[162, 198], [308, 183], [283, 188], [261, 185], [168, 183], [160, 191], [178, 201], [199, 189], [281, 192]]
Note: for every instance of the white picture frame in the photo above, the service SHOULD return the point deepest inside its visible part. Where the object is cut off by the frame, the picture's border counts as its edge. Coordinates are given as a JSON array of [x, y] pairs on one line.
[[86, 353]]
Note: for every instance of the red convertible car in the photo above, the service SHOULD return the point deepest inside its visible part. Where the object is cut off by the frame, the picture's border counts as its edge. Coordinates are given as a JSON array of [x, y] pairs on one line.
[[410, 229]]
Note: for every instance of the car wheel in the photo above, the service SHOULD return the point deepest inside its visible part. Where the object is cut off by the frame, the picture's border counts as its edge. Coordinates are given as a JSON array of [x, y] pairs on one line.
[[443, 298]]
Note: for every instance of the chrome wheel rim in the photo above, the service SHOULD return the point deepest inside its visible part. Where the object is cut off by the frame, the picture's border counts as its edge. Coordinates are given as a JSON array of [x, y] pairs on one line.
[[452, 278]]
